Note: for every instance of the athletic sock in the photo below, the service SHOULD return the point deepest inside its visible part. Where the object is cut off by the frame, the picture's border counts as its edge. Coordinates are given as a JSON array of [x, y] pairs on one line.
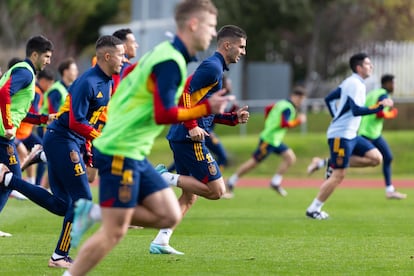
[[390, 189], [315, 206], [163, 236], [7, 178], [276, 180], [95, 213], [322, 163], [232, 180], [43, 156], [171, 178]]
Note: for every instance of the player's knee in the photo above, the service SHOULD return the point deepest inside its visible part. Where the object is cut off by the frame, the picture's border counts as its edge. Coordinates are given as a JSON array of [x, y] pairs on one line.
[[289, 157], [377, 160], [171, 221], [215, 195], [116, 234], [387, 159]]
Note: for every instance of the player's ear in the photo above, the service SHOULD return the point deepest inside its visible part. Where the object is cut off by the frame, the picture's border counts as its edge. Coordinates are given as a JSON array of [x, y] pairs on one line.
[[107, 56]]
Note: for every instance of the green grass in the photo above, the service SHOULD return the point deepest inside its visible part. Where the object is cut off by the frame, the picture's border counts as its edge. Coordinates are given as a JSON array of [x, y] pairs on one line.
[[256, 233], [305, 146]]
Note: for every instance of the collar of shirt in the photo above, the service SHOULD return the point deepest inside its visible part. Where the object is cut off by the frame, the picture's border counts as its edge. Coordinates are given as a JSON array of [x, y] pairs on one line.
[[220, 56], [64, 84], [31, 64], [100, 72], [358, 77], [179, 45]]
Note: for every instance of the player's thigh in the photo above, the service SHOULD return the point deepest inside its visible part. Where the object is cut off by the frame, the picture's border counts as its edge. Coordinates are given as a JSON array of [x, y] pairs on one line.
[[364, 147], [115, 221]]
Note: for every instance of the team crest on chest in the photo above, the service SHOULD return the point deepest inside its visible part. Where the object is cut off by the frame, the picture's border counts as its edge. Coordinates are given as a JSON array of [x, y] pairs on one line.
[[74, 156]]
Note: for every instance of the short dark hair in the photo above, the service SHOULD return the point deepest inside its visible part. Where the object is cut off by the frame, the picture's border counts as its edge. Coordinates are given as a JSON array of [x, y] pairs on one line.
[[65, 64], [46, 74], [38, 44], [122, 33], [386, 78], [185, 8], [107, 41], [231, 31], [13, 61], [356, 60], [299, 91]]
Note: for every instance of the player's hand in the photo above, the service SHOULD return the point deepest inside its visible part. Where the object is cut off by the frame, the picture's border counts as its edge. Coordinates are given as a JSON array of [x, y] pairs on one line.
[[9, 133], [302, 118], [52, 117], [243, 114], [87, 156], [218, 101], [387, 102], [197, 134]]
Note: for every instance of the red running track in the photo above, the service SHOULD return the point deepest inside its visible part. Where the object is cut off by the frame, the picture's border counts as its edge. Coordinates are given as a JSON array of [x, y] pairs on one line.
[[311, 183]]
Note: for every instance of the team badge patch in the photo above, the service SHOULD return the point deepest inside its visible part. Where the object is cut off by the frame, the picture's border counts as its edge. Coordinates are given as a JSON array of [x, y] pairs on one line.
[[124, 194], [10, 150], [212, 169], [74, 156], [339, 161]]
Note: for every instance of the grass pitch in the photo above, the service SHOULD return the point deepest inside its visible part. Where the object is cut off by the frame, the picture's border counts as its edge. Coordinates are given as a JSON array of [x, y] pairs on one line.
[[256, 233]]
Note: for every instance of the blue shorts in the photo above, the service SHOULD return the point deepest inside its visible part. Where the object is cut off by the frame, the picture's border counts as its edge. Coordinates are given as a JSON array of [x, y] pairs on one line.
[[194, 158], [125, 182], [264, 149], [9, 156], [341, 150], [66, 169]]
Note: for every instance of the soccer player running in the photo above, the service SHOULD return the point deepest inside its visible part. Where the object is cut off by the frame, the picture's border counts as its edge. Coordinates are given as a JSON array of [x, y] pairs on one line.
[[130, 190], [198, 172], [371, 129], [87, 97], [281, 116], [26, 138], [17, 91], [346, 147]]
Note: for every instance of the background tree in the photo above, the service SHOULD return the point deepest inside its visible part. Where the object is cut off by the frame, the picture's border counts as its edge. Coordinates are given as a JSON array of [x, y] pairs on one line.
[[313, 35], [70, 24]]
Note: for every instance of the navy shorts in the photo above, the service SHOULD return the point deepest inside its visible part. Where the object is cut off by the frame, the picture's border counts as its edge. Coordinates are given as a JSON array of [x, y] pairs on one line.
[[194, 158], [264, 149], [125, 182], [341, 150]]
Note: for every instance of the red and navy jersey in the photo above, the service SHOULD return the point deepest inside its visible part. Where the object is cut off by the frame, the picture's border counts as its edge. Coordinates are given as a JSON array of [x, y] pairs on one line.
[[206, 80], [87, 99]]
